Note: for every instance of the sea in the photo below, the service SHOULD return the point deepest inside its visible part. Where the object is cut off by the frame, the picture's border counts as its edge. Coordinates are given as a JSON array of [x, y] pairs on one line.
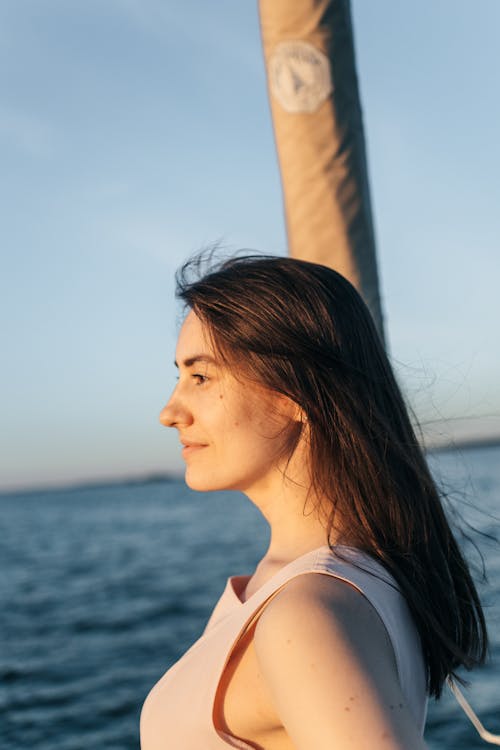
[[102, 588]]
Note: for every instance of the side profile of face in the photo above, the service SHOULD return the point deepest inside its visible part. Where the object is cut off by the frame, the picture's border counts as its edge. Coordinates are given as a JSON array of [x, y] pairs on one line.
[[238, 429]]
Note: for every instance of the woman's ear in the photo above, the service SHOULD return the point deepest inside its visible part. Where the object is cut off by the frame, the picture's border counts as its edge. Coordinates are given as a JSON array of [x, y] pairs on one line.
[[292, 410], [300, 415]]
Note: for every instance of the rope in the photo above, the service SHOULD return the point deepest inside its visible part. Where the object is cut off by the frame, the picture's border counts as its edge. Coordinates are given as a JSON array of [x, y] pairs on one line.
[[493, 739]]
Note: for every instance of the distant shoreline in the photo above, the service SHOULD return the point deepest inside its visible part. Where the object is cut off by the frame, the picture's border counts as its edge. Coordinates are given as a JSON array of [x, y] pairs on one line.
[[161, 477], [93, 484]]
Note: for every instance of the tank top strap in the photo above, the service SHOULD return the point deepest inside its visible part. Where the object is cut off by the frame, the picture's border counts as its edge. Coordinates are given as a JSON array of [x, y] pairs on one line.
[[308, 563]]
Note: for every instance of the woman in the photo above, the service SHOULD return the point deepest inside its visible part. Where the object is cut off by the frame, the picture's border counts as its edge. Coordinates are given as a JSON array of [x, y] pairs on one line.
[[286, 394]]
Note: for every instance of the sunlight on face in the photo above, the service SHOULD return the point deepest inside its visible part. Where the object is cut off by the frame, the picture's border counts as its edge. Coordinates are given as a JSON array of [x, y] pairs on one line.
[[239, 428]]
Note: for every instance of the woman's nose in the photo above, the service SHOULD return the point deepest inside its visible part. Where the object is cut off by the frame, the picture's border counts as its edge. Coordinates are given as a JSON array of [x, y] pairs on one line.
[[174, 413], [165, 417]]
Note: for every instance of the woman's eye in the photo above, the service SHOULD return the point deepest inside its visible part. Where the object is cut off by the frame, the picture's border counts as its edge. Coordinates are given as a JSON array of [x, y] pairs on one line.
[[202, 378]]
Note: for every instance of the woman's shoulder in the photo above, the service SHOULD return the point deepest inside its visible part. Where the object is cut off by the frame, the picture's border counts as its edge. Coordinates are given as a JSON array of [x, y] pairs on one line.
[[322, 648], [318, 598], [335, 584]]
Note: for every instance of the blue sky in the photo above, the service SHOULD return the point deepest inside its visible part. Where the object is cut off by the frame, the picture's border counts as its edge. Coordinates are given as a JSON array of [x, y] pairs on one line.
[[134, 131]]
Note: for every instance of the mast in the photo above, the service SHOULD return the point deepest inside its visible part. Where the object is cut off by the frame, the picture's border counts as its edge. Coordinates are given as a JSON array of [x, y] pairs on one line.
[[316, 111]]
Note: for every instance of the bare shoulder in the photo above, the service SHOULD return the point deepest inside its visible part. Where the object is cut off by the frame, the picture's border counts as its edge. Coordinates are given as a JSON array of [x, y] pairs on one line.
[[325, 613], [325, 655]]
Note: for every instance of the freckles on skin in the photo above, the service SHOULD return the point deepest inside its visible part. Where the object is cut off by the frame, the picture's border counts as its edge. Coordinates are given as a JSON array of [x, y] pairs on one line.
[[351, 699]]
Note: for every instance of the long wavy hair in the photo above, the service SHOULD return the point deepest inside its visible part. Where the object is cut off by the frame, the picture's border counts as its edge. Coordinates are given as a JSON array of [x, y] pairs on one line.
[[303, 331]]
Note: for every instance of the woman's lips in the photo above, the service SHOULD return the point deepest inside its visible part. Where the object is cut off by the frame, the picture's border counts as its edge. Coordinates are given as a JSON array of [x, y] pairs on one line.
[[191, 448]]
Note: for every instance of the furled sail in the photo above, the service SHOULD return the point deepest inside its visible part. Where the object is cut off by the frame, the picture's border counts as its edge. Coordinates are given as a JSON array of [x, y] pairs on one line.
[[316, 111]]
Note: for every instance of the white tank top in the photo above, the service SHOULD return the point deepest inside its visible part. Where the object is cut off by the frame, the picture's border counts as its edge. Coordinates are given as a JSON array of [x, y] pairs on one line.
[[178, 712]]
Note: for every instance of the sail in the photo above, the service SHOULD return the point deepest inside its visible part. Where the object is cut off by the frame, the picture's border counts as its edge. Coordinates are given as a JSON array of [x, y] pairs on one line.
[[317, 119]]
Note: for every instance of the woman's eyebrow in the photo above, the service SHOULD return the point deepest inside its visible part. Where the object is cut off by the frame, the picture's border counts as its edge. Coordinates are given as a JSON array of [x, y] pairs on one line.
[[196, 358]]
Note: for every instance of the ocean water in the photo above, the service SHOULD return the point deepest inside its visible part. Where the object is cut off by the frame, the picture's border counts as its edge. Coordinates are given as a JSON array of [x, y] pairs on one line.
[[103, 588]]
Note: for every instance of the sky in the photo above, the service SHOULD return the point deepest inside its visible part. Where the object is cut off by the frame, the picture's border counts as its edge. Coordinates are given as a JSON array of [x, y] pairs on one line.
[[133, 132]]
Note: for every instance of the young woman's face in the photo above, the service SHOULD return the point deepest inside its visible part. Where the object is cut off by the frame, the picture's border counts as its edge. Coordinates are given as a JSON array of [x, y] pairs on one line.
[[238, 430]]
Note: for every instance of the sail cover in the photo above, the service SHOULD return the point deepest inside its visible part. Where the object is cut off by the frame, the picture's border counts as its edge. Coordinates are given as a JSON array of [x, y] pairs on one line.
[[316, 111]]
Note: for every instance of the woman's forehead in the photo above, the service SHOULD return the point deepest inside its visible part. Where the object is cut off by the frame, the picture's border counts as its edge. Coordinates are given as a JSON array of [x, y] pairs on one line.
[[193, 338]]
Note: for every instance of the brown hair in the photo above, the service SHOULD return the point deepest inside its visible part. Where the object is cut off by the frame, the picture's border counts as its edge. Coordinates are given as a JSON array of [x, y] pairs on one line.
[[302, 330]]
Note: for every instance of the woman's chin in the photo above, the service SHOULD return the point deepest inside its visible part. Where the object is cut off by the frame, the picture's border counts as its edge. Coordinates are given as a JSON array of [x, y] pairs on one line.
[[200, 482], [196, 481]]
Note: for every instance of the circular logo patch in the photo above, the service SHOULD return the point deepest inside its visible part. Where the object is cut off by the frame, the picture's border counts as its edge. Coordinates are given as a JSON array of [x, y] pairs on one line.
[[299, 76]]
